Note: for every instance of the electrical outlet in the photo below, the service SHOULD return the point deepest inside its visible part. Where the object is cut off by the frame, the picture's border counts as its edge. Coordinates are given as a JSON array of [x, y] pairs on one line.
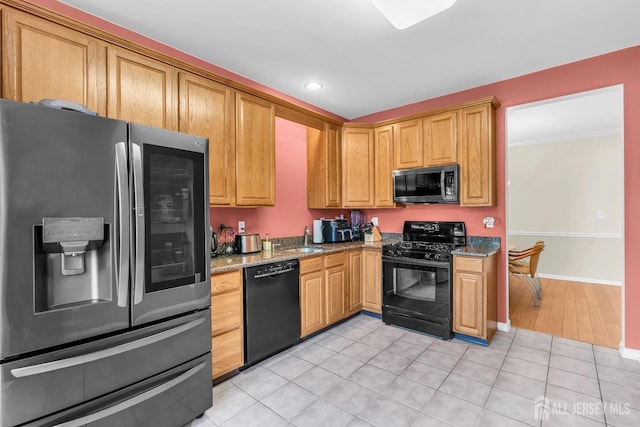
[[488, 221], [241, 226], [374, 220]]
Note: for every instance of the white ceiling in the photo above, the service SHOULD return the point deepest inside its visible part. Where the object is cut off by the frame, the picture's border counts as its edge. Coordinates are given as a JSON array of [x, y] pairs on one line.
[[365, 64], [593, 113]]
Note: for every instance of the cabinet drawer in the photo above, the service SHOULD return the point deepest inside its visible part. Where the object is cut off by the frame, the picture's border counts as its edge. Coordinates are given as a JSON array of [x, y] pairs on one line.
[[226, 352], [468, 264], [226, 312], [226, 282], [308, 265], [335, 259]]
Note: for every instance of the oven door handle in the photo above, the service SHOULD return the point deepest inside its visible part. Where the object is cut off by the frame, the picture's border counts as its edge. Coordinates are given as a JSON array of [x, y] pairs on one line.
[[412, 262]]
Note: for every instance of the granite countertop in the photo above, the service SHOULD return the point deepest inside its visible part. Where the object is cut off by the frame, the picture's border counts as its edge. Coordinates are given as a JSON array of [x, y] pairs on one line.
[[479, 246], [232, 262]]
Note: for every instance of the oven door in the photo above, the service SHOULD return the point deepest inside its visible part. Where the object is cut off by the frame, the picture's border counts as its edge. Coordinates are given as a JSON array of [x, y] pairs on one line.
[[417, 294]]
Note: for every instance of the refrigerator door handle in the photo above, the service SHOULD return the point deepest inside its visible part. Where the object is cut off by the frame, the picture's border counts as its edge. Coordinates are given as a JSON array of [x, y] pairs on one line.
[[149, 394], [138, 200], [103, 354], [122, 218]]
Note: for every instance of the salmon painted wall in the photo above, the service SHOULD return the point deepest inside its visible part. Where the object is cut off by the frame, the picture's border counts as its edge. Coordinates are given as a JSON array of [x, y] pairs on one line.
[[290, 214], [622, 67]]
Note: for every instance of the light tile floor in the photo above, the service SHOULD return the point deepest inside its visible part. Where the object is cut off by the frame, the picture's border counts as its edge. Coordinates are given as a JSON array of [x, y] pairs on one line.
[[363, 372]]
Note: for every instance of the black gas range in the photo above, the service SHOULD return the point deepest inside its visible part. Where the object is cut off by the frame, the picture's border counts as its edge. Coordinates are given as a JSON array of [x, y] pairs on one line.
[[417, 276], [428, 240]]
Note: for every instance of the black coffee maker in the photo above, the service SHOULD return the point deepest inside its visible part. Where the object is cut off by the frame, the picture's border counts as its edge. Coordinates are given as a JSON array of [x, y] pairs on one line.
[[357, 219]]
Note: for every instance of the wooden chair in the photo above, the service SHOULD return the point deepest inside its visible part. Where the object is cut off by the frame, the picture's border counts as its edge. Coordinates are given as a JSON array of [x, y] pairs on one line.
[[523, 266]]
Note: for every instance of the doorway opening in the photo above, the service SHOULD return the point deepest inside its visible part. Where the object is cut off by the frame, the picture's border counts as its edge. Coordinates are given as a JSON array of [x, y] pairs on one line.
[[565, 176]]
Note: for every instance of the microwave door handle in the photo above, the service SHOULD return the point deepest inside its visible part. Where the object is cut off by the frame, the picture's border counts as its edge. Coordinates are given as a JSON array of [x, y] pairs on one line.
[[122, 219], [138, 200], [443, 188]]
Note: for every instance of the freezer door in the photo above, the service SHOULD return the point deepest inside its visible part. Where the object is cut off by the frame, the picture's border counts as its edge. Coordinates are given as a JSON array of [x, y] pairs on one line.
[[171, 264], [168, 400], [41, 385], [64, 236]]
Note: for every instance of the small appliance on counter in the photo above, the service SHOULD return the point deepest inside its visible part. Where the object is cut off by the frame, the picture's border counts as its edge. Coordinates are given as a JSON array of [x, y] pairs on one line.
[[336, 230], [248, 243], [214, 243], [317, 231], [357, 219]]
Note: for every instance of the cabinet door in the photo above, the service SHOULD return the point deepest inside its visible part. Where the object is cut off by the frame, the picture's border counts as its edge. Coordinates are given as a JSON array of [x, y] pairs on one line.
[[477, 156], [468, 304], [408, 144], [312, 313], [441, 139], [333, 189], [358, 163], [45, 60], [324, 167], [142, 90], [225, 356], [383, 167], [355, 281], [227, 322], [372, 281], [207, 109], [255, 151], [337, 292]]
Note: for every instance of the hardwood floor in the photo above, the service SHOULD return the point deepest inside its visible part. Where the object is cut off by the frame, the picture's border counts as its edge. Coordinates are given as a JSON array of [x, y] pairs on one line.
[[579, 311]]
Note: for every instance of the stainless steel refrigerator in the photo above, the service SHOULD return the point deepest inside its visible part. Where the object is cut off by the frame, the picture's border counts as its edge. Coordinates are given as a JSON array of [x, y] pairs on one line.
[[104, 271]]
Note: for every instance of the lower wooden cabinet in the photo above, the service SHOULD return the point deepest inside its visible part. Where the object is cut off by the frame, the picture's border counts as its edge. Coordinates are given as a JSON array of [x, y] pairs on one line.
[[337, 286], [355, 281], [227, 331], [372, 280], [312, 296], [324, 291], [475, 298]]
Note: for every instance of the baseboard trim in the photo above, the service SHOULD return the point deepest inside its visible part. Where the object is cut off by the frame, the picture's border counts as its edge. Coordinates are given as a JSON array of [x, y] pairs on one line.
[[630, 353], [579, 279], [504, 327]]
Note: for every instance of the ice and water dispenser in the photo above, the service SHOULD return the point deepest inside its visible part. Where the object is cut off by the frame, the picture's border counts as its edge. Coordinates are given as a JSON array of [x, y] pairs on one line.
[[72, 262]]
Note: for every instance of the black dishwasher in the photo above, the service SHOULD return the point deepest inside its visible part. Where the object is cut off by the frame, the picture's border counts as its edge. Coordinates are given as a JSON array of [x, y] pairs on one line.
[[271, 309]]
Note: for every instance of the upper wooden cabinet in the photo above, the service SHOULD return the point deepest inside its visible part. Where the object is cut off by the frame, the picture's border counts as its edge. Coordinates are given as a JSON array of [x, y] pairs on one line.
[[207, 109], [357, 167], [324, 166], [408, 144], [441, 139], [142, 90], [383, 185], [45, 60], [255, 151], [477, 155]]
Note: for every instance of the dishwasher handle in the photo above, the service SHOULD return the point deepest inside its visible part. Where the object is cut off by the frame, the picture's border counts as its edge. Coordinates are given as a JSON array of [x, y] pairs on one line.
[[274, 273]]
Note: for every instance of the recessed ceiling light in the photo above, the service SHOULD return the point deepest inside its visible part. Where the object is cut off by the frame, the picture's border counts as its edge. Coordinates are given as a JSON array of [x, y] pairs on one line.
[[405, 13], [313, 85]]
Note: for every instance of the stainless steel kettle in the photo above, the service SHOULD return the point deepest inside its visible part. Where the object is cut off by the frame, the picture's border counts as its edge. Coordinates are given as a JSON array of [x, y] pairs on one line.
[[214, 243]]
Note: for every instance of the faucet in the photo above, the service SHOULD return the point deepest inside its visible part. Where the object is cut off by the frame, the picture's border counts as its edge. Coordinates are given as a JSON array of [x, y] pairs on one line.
[[306, 235]]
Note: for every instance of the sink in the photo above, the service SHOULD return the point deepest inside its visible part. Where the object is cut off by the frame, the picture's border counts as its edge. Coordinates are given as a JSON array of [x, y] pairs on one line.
[[304, 249]]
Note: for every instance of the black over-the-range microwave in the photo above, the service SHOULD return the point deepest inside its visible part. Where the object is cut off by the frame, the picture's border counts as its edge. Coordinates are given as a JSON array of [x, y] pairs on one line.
[[438, 184]]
